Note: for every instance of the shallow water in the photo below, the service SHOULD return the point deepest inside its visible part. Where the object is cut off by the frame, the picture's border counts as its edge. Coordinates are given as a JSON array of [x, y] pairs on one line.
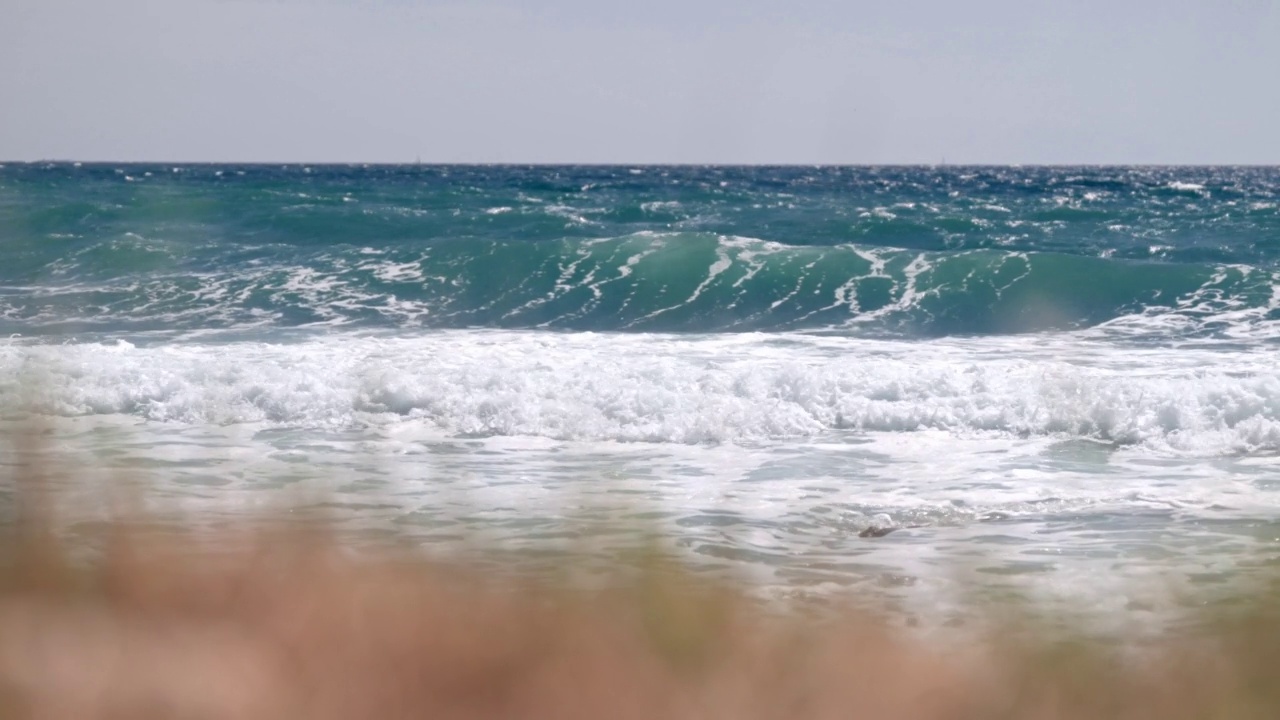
[[1109, 476]]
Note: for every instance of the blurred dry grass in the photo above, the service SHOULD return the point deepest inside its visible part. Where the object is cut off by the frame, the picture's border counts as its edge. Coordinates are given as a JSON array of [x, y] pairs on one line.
[[280, 620]]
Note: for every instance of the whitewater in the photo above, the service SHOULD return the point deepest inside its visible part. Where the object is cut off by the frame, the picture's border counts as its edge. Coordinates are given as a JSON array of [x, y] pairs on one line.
[[1061, 379]]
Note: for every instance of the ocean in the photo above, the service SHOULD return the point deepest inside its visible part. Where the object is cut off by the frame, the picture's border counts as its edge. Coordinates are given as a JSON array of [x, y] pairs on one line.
[[833, 381]]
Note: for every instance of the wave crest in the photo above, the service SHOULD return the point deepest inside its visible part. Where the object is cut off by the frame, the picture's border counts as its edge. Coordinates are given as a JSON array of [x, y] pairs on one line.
[[663, 282]]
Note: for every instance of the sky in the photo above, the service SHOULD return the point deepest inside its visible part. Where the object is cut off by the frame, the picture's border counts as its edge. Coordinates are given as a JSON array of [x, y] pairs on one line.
[[657, 81]]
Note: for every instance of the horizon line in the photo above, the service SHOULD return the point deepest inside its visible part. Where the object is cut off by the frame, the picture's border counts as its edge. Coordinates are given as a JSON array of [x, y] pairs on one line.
[[416, 163]]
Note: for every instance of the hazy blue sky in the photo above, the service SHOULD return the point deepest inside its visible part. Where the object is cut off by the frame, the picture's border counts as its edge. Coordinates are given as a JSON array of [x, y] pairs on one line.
[[807, 81]]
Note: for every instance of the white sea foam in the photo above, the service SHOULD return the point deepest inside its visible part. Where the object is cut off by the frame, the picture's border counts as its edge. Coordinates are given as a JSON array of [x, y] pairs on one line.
[[672, 389], [394, 272], [655, 206]]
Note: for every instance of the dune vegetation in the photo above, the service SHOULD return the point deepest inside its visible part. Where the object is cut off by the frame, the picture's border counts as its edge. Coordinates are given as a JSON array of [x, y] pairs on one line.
[[146, 616]]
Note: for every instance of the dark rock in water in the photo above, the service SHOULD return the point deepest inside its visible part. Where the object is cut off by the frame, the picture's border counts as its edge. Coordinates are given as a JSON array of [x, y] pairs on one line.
[[875, 531]]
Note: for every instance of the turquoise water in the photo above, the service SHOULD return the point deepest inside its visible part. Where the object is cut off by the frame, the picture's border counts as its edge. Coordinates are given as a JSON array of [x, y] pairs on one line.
[[1060, 377], [913, 251]]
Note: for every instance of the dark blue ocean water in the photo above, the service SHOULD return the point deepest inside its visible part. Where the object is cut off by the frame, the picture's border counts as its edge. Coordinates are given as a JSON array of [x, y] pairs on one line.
[[907, 251]]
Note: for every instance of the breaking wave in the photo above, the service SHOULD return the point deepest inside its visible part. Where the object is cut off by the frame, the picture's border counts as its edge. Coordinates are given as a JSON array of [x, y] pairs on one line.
[[657, 282], [651, 388]]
